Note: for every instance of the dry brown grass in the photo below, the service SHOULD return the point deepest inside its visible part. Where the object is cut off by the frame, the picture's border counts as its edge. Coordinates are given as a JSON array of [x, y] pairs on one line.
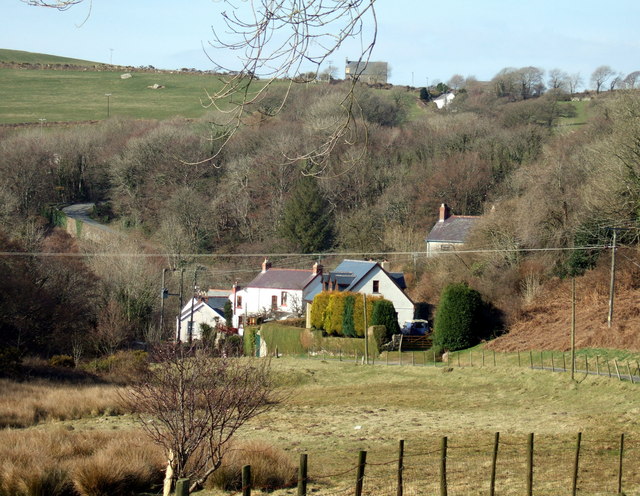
[[58, 462], [270, 467], [23, 404]]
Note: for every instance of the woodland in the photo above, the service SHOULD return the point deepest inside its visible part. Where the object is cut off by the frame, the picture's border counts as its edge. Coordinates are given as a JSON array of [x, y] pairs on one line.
[[545, 182]]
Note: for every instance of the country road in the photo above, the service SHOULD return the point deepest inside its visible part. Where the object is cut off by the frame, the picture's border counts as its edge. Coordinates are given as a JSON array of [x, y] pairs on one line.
[[80, 212]]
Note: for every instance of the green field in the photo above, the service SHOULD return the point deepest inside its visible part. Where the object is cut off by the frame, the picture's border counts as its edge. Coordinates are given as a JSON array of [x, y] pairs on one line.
[[21, 57], [56, 95]]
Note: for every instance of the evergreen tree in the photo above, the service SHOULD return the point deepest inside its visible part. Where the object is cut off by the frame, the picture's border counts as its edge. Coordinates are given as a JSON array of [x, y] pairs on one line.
[[348, 326], [228, 313], [457, 325], [308, 220], [384, 313]]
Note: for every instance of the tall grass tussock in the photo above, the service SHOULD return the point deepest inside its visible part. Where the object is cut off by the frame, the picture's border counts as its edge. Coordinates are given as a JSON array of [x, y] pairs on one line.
[[66, 463], [271, 468]]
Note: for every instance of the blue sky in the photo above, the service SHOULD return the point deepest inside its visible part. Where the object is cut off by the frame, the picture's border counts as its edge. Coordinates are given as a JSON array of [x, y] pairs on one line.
[[420, 39]]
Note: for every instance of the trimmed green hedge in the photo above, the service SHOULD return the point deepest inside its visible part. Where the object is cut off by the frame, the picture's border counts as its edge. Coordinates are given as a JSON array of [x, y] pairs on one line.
[[332, 313]]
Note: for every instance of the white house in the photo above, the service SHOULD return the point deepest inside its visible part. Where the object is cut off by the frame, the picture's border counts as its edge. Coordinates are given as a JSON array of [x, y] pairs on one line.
[[444, 100], [368, 277], [274, 292], [207, 309], [450, 232]]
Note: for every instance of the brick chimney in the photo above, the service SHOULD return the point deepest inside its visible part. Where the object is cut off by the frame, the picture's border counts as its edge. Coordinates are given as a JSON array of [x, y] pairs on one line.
[[317, 269], [445, 213], [266, 265]]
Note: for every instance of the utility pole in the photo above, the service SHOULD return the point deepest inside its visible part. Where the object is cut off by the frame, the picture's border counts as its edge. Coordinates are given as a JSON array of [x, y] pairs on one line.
[[573, 327], [613, 278], [366, 330], [179, 337], [163, 295], [193, 302]]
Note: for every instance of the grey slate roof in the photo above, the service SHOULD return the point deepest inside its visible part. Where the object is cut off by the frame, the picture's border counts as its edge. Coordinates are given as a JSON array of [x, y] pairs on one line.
[[282, 279], [454, 229], [216, 302]]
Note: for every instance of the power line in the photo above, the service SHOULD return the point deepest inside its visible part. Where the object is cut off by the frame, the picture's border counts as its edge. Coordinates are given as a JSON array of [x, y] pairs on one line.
[[302, 255]]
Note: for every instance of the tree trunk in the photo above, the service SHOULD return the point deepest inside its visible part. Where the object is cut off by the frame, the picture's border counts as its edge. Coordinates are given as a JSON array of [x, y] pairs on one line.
[[168, 477]]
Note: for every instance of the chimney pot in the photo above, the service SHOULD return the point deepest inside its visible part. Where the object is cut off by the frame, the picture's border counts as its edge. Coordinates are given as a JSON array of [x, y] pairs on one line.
[[445, 213]]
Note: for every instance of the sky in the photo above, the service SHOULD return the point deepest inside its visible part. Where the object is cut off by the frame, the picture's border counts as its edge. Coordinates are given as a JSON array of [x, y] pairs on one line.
[[422, 41]]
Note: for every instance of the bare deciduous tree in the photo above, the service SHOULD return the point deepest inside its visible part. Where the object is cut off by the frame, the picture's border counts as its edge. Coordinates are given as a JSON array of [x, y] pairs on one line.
[[600, 76], [192, 404]]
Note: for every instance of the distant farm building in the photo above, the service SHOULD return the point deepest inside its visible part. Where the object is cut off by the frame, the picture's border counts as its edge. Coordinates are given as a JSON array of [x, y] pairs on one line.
[[367, 72]]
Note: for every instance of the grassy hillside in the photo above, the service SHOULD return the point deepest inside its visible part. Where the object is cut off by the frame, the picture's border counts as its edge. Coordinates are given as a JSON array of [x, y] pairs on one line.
[[21, 57], [80, 95], [332, 410]]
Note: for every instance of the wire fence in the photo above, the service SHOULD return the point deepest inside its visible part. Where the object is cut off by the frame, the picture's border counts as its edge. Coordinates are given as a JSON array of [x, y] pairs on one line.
[[553, 361], [496, 465]]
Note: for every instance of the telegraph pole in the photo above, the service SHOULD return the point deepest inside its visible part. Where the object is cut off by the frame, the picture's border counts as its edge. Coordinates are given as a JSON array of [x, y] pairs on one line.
[[163, 295], [179, 337], [193, 302], [613, 278], [573, 326]]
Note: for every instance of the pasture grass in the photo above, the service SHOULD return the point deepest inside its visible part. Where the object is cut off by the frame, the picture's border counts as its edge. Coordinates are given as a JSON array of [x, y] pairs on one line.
[[333, 409], [62, 96], [23, 404], [22, 57]]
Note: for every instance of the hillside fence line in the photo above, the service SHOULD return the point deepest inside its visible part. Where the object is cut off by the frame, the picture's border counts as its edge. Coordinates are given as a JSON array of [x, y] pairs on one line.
[[554, 361], [512, 465]]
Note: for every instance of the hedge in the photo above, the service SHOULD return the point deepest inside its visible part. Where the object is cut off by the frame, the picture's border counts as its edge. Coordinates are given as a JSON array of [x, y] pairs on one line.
[[320, 302]]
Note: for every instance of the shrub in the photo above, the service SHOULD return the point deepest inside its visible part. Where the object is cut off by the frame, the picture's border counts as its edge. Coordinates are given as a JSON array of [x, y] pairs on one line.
[[121, 367], [294, 322], [358, 312], [384, 313], [62, 361], [348, 327], [249, 341], [318, 308], [379, 336], [334, 313], [271, 468], [455, 318], [10, 360]]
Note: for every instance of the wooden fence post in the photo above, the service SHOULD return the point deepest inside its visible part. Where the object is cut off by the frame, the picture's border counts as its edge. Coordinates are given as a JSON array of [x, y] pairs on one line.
[[246, 480], [630, 375], [530, 465], [564, 362], [182, 487], [620, 464], [553, 365], [494, 464], [541, 361], [458, 355], [443, 467], [598, 365], [302, 475], [531, 359], [586, 365], [608, 368], [483, 357], [400, 466], [413, 358], [519, 358], [362, 461], [615, 363], [494, 358], [471, 359], [576, 462]]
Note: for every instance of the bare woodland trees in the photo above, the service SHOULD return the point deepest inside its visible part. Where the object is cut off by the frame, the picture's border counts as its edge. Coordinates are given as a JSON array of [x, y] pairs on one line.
[[192, 404]]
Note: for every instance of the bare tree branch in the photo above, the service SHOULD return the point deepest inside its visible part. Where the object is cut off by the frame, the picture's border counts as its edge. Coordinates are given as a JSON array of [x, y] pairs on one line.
[[191, 404]]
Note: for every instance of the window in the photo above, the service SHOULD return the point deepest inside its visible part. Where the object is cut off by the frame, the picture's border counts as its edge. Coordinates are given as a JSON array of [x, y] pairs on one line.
[[283, 299], [274, 303], [376, 286], [239, 301]]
